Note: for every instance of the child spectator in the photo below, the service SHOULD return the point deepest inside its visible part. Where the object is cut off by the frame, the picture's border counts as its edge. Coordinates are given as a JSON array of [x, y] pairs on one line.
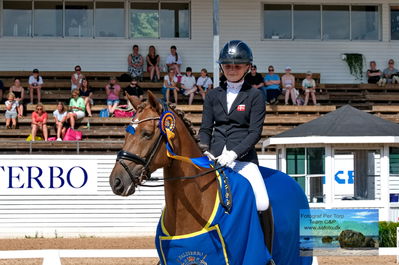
[[272, 89], [1, 91], [60, 117], [204, 83], [254, 78], [112, 89], [170, 83], [390, 74], [374, 75], [87, 94], [153, 64], [77, 78], [35, 83], [77, 108], [174, 61], [11, 111], [288, 81], [188, 85], [39, 122], [135, 62], [19, 93], [309, 86]]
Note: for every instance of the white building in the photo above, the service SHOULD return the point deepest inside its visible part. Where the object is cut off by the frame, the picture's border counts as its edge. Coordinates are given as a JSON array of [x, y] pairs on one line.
[[98, 35]]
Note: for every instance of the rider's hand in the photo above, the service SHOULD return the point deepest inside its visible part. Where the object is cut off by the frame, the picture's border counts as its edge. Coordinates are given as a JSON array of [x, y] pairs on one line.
[[210, 156], [226, 158]]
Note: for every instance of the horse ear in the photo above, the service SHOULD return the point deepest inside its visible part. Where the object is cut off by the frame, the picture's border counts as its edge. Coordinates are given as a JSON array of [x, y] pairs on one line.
[[154, 102], [134, 100]]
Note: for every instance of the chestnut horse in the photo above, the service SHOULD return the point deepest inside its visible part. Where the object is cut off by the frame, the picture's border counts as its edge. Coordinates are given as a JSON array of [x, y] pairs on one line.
[[190, 202]]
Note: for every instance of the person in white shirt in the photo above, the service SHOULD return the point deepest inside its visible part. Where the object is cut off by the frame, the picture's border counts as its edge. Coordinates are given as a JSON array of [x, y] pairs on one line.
[[60, 117], [309, 86], [35, 83], [170, 83], [174, 60], [77, 78], [188, 85], [204, 83]]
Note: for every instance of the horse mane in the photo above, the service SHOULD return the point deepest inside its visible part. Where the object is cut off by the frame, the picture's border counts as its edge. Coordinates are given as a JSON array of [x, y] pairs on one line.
[[186, 122]]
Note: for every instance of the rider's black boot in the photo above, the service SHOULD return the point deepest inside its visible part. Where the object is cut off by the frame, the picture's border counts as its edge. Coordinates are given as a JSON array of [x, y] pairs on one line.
[[266, 222]]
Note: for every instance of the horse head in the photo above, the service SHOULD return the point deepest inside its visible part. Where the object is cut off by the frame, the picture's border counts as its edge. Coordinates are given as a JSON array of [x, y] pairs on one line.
[[144, 150]]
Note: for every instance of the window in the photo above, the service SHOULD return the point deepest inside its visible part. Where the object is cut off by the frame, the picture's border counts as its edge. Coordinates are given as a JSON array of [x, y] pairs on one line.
[[278, 22], [48, 19], [365, 23], [394, 160], [307, 22], [78, 19], [109, 18], [394, 22], [174, 20], [17, 18], [336, 24], [144, 20], [295, 161]]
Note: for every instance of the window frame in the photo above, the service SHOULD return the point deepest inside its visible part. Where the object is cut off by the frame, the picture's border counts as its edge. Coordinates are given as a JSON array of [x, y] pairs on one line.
[[2, 20], [390, 21]]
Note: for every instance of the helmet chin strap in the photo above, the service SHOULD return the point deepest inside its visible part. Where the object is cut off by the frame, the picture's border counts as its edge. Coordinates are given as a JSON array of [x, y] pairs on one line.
[[240, 78]]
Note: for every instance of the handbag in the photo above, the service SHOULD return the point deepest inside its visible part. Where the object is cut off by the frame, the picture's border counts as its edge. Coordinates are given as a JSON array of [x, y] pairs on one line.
[[123, 111], [104, 113], [37, 138], [72, 135]]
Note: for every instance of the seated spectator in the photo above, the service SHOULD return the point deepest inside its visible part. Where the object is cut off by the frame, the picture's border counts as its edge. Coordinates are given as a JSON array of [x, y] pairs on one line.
[[309, 86], [11, 111], [374, 75], [35, 83], [188, 85], [272, 86], [254, 78], [2, 88], [153, 64], [170, 83], [39, 122], [19, 93], [133, 89], [77, 78], [77, 108], [390, 74], [204, 83], [60, 117], [87, 94], [288, 81], [174, 61], [112, 89], [135, 62]]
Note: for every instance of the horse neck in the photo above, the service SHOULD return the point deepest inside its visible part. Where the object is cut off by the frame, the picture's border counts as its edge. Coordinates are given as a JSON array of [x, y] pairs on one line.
[[189, 203]]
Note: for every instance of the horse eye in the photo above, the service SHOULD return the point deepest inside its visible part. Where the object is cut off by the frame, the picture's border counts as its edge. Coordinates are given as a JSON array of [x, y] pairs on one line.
[[147, 134]]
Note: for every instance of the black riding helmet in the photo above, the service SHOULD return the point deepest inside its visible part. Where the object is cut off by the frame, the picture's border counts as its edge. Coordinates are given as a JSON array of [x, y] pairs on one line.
[[235, 52]]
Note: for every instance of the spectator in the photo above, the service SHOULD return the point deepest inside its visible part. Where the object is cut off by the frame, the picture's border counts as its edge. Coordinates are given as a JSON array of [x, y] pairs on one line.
[[174, 61], [254, 78], [11, 111], [135, 62], [35, 83], [77, 108], [288, 81], [374, 75], [204, 83], [188, 85], [60, 117], [87, 94], [1, 91], [153, 64], [39, 122], [133, 89], [112, 89], [272, 89], [19, 93], [309, 86], [77, 78], [170, 83], [390, 74]]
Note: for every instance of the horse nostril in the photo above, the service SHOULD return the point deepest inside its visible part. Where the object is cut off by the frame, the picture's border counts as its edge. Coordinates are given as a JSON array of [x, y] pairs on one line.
[[118, 185]]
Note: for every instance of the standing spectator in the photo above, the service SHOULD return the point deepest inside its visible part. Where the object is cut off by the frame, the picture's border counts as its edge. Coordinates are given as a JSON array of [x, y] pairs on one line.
[[390, 74], [135, 62], [204, 83], [153, 64], [19, 93], [39, 122], [133, 89], [87, 94], [60, 117], [1, 91], [174, 61], [77, 78], [288, 81], [11, 111], [309, 86], [77, 108], [188, 85], [35, 83], [272, 89], [374, 75], [254, 78], [170, 83], [112, 89]]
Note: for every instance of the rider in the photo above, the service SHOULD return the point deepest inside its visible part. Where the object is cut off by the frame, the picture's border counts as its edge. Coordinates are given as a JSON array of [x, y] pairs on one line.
[[232, 120]]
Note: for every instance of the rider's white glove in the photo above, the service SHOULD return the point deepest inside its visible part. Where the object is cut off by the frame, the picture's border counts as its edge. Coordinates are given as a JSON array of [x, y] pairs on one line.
[[226, 158], [210, 156]]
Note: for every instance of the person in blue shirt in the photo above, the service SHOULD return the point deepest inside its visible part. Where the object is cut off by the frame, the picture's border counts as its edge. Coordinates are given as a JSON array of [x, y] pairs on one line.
[[272, 86]]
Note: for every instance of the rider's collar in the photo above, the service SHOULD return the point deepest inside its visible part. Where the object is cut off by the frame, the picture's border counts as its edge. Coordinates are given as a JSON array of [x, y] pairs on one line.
[[235, 86]]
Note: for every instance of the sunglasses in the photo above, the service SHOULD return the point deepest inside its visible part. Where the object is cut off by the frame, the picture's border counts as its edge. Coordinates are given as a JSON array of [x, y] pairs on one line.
[[271, 70], [77, 70], [391, 63], [39, 109]]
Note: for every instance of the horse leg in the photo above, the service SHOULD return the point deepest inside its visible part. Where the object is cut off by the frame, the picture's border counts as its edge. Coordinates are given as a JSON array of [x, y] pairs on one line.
[[267, 224]]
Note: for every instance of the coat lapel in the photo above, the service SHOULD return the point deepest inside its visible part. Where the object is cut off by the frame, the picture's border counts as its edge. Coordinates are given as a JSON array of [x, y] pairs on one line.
[[222, 98]]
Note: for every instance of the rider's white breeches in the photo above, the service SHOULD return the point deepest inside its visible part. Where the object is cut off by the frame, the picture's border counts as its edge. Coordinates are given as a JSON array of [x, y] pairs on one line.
[[251, 172]]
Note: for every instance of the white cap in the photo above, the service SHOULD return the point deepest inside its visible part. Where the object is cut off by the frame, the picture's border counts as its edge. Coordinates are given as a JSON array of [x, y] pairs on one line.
[[288, 68]]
